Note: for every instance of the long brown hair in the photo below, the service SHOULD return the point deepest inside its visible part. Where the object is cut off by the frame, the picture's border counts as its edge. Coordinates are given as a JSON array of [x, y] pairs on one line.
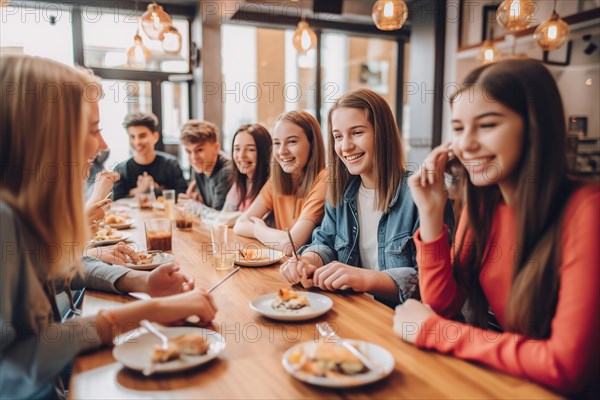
[[41, 136], [542, 190], [282, 181], [388, 158], [264, 144]]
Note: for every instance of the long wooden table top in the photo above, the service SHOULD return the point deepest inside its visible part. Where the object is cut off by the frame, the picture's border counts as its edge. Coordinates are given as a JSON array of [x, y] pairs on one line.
[[250, 366]]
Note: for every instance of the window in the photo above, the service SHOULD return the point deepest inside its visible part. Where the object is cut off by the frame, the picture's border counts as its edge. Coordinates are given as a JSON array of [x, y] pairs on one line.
[[107, 34], [34, 28], [176, 109], [253, 92], [121, 98], [353, 62]]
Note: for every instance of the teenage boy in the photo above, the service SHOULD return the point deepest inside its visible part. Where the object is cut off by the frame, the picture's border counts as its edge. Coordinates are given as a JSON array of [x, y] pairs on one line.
[[148, 167], [212, 168]]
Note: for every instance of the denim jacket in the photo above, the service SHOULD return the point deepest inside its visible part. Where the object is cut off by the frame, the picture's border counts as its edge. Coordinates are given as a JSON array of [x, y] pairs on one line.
[[337, 237]]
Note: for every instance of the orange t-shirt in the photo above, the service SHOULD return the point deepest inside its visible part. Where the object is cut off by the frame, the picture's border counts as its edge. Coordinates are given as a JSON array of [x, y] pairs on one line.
[[311, 207], [568, 360]]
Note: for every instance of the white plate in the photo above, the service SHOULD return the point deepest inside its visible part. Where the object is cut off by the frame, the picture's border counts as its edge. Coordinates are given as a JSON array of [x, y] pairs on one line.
[[272, 254], [134, 349], [318, 305], [125, 225], [381, 358], [124, 237], [158, 259]]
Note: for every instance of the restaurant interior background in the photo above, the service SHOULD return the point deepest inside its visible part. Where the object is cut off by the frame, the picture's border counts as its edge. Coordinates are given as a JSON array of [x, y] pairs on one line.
[[237, 62]]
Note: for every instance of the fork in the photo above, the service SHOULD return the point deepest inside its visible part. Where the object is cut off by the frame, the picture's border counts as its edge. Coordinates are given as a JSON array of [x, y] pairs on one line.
[[164, 343], [327, 332]]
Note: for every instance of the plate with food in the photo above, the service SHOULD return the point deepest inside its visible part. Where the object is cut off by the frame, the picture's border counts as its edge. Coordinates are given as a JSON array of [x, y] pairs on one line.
[[188, 348], [289, 305], [119, 221], [258, 257], [329, 364], [150, 261], [108, 235]]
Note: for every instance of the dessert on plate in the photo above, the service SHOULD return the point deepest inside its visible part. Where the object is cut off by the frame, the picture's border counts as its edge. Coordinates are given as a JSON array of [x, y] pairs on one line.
[[107, 233], [253, 255], [189, 344], [287, 299], [329, 360]]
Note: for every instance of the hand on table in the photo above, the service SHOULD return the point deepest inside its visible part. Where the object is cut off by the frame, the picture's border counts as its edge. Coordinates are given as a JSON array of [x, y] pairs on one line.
[[116, 254], [337, 275], [298, 271], [409, 319]]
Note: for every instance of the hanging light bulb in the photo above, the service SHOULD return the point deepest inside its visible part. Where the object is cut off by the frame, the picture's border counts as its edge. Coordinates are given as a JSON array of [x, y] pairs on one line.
[[155, 20], [138, 54], [552, 34], [488, 52], [516, 15], [389, 15], [171, 40], [304, 38]]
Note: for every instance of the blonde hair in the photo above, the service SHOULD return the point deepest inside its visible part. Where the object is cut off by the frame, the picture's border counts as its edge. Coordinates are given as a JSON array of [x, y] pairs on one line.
[[388, 156], [282, 181], [44, 120]]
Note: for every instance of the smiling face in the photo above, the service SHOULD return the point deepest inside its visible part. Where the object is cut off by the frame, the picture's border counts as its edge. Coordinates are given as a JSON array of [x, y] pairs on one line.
[[94, 142], [487, 139], [245, 153], [142, 139], [354, 139], [291, 147], [203, 156]]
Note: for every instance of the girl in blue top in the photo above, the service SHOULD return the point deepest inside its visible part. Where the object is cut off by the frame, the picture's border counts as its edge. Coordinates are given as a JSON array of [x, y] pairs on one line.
[[366, 239]]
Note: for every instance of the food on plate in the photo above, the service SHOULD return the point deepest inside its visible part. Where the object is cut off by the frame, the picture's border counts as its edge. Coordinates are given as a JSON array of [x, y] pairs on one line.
[[253, 255], [327, 360], [115, 218], [190, 344], [145, 258], [287, 299], [161, 356], [107, 233]]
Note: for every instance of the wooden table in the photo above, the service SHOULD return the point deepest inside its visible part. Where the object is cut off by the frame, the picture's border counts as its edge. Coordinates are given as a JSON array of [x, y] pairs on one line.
[[250, 366]]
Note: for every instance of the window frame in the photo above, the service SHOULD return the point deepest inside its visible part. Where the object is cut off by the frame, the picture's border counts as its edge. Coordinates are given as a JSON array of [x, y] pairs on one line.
[[156, 78]]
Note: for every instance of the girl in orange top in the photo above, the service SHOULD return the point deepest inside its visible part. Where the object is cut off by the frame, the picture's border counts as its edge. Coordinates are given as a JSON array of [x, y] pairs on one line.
[[526, 246], [295, 193]]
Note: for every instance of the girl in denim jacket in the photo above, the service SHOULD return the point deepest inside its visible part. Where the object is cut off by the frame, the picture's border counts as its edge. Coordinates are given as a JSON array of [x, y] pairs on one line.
[[365, 241]]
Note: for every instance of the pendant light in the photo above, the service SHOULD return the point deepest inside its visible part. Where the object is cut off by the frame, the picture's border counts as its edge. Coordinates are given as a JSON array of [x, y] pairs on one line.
[[389, 15], [155, 20], [488, 52], [304, 38], [171, 40], [138, 54], [516, 15], [553, 33]]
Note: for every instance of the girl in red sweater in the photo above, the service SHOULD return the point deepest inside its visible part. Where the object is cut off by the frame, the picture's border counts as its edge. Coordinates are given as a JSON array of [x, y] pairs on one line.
[[526, 249]]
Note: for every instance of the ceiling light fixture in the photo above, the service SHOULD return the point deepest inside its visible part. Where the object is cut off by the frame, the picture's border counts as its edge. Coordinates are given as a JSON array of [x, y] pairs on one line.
[[553, 33], [304, 38], [138, 54], [389, 15], [516, 15], [171, 40], [155, 20]]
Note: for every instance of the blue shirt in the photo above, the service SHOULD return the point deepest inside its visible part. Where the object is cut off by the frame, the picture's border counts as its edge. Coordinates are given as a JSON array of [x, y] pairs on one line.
[[337, 237]]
